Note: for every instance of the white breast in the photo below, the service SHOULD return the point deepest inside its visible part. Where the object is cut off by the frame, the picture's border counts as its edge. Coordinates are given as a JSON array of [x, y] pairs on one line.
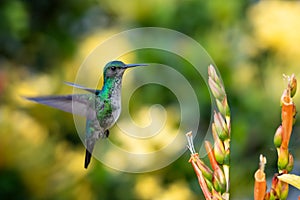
[[116, 103]]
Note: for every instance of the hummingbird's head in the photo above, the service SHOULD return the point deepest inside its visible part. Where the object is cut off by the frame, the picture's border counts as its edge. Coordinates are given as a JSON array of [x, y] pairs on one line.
[[117, 68]]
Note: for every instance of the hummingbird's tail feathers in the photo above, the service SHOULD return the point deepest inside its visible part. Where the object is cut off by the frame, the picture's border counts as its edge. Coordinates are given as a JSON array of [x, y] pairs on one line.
[[87, 160], [94, 91], [76, 104]]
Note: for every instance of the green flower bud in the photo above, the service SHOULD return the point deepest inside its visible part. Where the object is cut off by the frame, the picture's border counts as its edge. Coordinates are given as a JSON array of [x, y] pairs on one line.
[[221, 126], [219, 181], [206, 171], [216, 89], [219, 151], [293, 85], [223, 107], [278, 137], [273, 195], [290, 165], [284, 190], [212, 72], [209, 184], [283, 158]]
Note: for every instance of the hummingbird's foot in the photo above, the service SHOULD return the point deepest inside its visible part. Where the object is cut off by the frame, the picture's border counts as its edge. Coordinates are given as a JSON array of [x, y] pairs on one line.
[[106, 133]]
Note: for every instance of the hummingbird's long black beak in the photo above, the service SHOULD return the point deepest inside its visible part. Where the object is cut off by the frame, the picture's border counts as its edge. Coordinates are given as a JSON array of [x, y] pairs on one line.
[[134, 65]]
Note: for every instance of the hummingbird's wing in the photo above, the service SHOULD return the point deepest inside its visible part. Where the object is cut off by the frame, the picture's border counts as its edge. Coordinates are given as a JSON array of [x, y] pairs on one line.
[[94, 91], [76, 104]]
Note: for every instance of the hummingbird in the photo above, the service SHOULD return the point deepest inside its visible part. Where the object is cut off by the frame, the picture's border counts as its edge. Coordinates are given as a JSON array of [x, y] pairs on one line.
[[101, 108]]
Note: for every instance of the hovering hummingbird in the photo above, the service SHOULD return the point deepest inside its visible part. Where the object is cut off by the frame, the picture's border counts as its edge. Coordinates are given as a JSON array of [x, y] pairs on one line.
[[101, 108]]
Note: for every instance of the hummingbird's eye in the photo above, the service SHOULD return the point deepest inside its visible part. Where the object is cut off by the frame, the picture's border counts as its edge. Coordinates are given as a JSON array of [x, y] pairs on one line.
[[113, 68]]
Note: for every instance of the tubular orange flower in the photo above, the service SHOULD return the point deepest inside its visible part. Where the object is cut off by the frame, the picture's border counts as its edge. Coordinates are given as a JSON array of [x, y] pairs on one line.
[[287, 117], [260, 185], [196, 162], [201, 181], [211, 156], [219, 180]]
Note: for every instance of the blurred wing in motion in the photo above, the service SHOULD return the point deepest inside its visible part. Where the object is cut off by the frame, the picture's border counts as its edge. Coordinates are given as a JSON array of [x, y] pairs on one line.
[[94, 91], [76, 104]]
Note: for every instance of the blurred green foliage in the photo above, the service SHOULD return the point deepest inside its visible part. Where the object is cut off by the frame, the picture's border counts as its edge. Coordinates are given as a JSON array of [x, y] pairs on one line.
[[43, 43]]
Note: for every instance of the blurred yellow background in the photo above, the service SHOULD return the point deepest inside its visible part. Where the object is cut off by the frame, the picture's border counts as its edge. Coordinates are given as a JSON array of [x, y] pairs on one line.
[[43, 43]]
